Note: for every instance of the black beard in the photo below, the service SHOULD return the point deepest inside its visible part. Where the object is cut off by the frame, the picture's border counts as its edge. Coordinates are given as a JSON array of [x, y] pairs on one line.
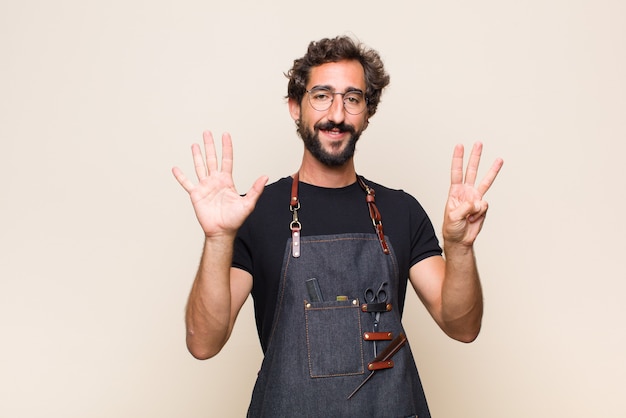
[[314, 146]]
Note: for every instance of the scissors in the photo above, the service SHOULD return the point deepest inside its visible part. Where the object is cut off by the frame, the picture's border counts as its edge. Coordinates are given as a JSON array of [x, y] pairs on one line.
[[380, 296]]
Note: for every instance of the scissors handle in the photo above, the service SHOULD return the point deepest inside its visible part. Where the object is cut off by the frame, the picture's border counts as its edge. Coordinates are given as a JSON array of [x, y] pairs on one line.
[[379, 296]]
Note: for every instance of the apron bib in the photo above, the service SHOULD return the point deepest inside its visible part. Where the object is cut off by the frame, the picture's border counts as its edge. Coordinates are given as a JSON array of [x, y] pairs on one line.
[[319, 348]]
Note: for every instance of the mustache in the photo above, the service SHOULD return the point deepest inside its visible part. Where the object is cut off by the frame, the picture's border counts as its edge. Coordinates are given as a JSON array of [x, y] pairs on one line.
[[327, 126]]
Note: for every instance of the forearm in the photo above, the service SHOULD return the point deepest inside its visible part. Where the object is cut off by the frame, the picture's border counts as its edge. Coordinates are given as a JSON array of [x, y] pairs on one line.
[[462, 297], [208, 316]]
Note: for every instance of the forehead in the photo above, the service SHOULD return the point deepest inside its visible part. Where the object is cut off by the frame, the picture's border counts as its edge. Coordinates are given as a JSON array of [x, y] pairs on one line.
[[338, 75]]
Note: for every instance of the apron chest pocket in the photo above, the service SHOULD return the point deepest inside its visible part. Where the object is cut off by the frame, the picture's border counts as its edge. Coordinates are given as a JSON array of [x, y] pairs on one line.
[[334, 338]]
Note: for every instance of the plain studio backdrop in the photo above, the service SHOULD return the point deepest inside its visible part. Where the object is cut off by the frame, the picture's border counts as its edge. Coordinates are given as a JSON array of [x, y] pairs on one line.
[[99, 244]]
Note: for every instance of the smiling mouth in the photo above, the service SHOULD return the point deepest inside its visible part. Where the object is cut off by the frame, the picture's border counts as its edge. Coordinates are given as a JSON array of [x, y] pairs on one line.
[[333, 132]]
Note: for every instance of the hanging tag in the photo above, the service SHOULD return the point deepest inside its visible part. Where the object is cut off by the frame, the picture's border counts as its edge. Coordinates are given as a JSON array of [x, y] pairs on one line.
[[295, 227], [295, 243]]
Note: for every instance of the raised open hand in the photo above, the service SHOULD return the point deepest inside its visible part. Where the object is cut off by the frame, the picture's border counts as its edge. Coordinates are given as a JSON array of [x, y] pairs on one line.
[[219, 208], [465, 209]]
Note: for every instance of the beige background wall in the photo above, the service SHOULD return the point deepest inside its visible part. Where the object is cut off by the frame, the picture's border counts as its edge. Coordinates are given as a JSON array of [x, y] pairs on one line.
[[98, 243]]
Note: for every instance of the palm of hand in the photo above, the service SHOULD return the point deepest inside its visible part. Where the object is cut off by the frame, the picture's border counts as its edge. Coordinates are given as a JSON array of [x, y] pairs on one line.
[[219, 208]]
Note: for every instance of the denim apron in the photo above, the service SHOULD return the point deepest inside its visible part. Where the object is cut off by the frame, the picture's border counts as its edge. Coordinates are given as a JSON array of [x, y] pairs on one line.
[[317, 353]]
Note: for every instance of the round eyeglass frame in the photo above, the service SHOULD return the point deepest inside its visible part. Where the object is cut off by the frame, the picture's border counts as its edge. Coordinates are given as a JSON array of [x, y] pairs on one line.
[[332, 94]]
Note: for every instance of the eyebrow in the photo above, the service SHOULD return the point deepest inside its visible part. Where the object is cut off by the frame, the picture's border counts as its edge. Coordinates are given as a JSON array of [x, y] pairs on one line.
[[327, 87]]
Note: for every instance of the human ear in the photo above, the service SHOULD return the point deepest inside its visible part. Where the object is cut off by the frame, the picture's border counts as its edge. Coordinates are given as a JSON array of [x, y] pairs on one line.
[[294, 109]]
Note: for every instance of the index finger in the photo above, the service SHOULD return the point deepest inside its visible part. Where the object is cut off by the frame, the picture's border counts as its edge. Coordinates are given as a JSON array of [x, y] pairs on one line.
[[486, 183]]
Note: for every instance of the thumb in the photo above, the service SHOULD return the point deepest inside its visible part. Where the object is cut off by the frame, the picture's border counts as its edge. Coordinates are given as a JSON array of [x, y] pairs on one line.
[[478, 211], [257, 188]]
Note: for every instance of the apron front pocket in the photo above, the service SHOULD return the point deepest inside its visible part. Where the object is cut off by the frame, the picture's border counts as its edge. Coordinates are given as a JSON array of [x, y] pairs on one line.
[[334, 338]]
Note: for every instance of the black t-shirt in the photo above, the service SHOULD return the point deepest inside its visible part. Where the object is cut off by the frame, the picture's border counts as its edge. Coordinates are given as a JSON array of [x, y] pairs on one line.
[[260, 243]]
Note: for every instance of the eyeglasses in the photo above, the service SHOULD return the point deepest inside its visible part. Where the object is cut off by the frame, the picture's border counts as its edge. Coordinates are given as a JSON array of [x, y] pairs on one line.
[[321, 98]]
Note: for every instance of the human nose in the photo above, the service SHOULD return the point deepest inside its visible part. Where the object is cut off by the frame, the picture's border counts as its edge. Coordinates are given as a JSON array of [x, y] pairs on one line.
[[337, 111]]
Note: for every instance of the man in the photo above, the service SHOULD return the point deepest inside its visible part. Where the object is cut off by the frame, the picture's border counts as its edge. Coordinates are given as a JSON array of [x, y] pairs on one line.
[[328, 273]]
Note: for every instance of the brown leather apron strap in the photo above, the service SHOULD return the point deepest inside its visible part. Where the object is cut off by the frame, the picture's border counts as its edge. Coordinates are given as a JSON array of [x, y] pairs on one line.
[[377, 219], [294, 203]]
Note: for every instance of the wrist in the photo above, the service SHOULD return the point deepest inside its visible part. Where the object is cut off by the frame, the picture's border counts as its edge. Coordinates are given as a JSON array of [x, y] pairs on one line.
[[219, 242], [454, 249], [219, 236]]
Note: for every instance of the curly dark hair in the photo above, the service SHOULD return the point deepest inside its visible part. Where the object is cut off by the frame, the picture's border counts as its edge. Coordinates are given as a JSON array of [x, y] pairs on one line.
[[335, 50]]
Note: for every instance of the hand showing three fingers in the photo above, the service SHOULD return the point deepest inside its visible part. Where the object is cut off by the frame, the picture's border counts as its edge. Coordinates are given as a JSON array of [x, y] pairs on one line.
[[218, 207], [465, 209]]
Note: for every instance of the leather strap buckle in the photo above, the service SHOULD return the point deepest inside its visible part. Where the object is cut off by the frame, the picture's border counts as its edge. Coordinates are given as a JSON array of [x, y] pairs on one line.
[[377, 336], [379, 365], [376, 307]]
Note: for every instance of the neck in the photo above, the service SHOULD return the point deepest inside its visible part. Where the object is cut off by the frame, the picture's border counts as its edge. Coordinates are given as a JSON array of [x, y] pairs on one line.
[[313, 172]]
